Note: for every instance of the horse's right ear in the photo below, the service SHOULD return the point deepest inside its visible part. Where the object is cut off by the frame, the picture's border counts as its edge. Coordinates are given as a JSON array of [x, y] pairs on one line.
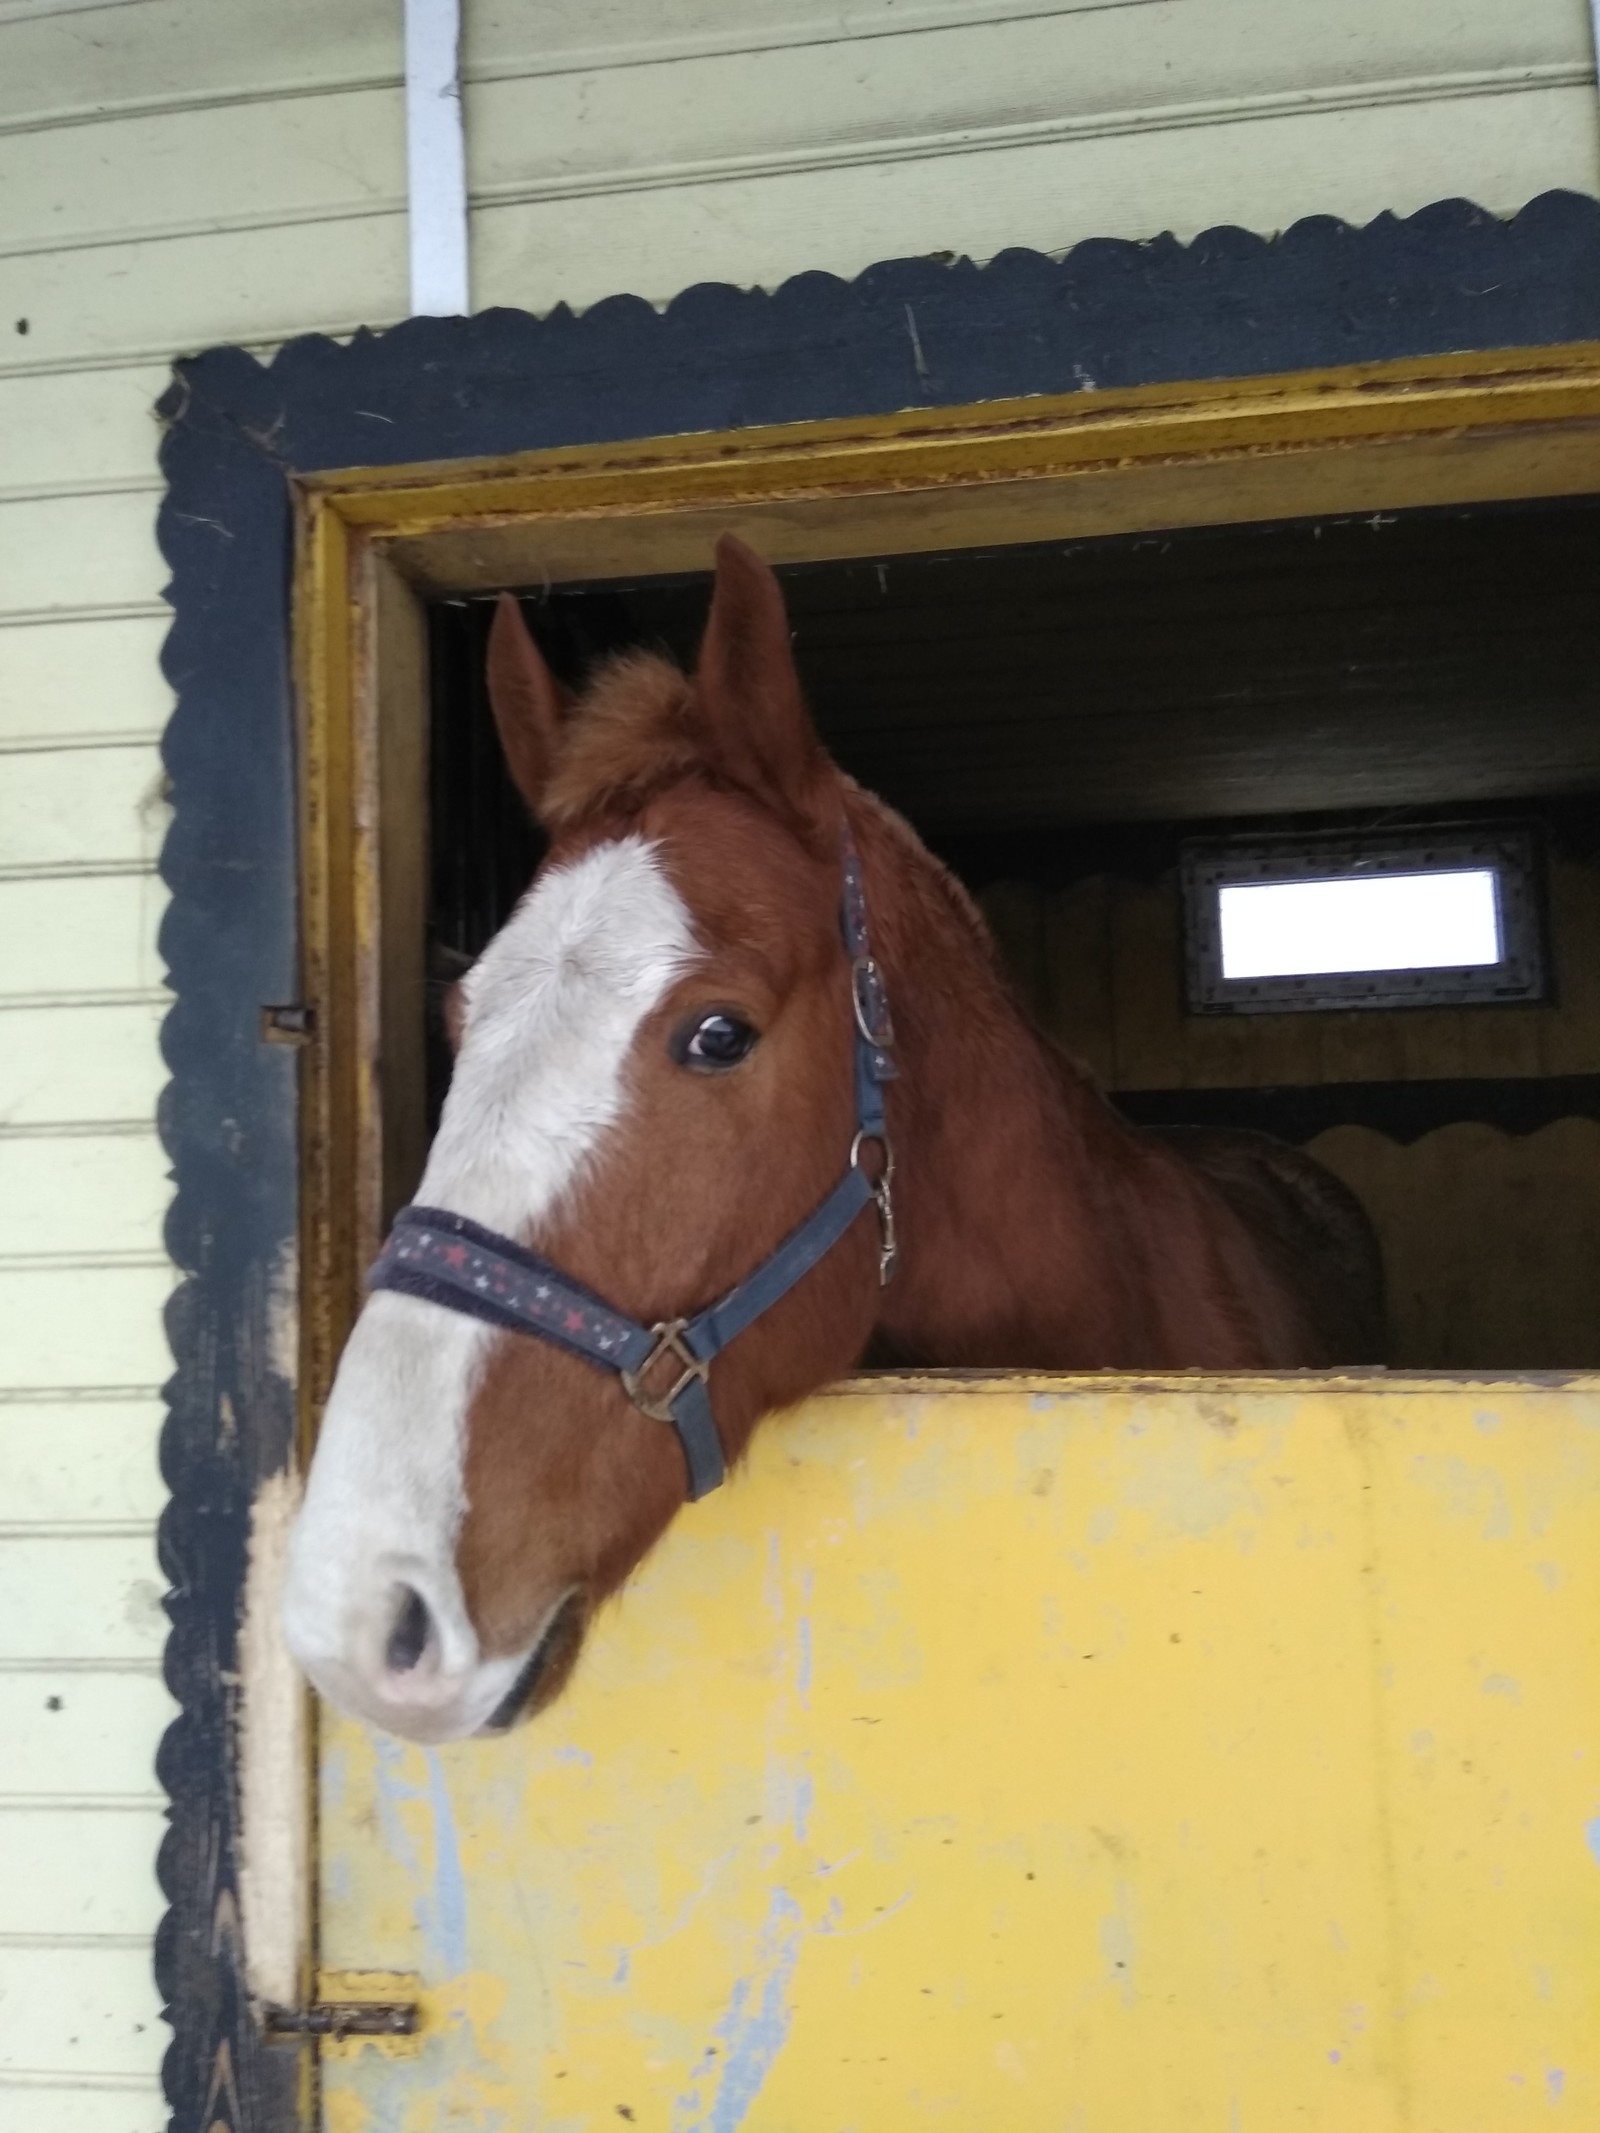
[[529, 703]]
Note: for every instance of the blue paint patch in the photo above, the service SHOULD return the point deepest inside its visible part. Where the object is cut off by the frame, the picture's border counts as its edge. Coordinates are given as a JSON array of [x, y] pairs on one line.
[[449, 1923], [805, 1795], [392, 1791], [802, 1672], [1555, 2081], [1591, 1837], [619, 1975], [1335, 2058], [568, 1753], [752, 2031]]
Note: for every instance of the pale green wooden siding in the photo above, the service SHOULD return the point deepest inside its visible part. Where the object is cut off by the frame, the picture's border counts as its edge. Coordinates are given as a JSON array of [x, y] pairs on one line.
[[175, 173], [127, 233]]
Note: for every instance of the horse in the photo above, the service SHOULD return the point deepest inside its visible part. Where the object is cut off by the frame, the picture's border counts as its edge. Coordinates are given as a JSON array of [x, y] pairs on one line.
[[739, 1090]]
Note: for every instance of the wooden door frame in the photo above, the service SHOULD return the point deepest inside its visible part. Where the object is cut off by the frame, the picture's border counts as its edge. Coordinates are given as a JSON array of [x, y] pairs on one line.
[[317, 502]]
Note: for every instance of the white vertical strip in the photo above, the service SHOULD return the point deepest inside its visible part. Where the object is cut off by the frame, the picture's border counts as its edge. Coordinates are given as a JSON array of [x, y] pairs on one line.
[[436, 157]]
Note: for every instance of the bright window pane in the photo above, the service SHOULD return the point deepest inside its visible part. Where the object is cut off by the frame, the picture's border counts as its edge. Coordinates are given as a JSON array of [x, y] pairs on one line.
[[1292, 929]]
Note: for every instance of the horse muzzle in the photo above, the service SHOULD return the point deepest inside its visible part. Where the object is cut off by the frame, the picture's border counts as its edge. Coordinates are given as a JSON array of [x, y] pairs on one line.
[[401, 1654]]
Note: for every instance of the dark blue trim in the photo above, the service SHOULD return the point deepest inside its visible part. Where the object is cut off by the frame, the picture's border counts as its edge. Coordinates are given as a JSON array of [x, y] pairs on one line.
[[238, 432]]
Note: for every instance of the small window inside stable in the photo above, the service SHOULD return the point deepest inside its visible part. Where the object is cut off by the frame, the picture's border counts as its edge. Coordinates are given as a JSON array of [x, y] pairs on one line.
[[1418, 919], [1104, 738]]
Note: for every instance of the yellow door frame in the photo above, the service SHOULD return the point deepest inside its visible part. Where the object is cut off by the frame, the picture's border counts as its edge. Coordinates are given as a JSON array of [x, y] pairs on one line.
[[375, 544]]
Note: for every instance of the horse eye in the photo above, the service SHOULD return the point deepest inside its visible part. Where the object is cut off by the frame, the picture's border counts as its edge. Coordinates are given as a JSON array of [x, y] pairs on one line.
[[715, 1040]]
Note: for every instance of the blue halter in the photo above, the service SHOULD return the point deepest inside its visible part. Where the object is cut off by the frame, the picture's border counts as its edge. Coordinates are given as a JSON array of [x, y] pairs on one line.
[[448, 1260]]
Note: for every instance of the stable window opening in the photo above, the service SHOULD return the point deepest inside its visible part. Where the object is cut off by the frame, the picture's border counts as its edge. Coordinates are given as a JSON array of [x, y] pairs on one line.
[[1091, 732], [1282, 924]]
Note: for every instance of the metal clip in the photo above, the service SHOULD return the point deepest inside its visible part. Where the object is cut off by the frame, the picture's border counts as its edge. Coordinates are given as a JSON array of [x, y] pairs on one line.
[[883, 1201]]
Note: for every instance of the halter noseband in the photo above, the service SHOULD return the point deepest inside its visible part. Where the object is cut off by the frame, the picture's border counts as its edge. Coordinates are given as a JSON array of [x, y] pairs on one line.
[[446, 1259]]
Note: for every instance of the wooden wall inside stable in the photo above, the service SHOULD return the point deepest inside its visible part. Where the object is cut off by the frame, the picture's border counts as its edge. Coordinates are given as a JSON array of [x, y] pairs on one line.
[[1491, 1237]]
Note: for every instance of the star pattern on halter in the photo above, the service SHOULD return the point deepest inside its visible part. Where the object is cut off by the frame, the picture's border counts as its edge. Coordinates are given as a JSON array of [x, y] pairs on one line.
[[447, 1259]]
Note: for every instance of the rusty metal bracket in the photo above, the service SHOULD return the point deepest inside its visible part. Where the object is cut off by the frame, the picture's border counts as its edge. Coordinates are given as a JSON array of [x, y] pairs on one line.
[[339, 2019]]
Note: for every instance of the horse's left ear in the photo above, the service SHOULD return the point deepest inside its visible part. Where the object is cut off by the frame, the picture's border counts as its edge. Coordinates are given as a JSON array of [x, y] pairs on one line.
[[757, 726], [529, 703]]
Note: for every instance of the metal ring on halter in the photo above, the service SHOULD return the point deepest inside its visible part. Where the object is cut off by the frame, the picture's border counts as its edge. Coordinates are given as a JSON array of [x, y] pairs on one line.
[[883, 1200], [669, 1341]]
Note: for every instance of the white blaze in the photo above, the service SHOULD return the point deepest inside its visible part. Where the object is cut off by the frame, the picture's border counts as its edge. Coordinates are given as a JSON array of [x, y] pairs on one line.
[[553, 1007]]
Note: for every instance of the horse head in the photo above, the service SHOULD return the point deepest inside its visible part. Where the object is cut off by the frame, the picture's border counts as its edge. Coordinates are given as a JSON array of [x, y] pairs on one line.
[[655, 1084]]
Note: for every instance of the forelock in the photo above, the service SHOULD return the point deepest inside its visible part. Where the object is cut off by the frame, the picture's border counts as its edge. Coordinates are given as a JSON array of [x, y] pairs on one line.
[[632, 735]]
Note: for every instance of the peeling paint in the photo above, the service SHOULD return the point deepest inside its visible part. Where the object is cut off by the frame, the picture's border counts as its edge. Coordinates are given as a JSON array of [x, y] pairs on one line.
[[752, 2030], [283, 1312], [1184, 1825], [273, 1851], [449, 1889]]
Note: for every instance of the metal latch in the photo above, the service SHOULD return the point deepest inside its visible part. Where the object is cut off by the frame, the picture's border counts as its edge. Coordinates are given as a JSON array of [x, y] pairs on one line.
[[294, 1023], [345, 2018]]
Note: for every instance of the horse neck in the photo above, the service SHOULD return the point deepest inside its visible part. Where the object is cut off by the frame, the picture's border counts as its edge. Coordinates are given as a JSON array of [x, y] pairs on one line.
[[1039, 1230]]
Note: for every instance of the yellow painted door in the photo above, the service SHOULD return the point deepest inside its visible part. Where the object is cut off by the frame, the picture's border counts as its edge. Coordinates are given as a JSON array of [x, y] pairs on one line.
[[1074, 1755]]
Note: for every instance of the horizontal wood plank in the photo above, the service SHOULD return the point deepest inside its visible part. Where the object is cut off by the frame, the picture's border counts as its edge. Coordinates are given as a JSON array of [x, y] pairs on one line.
[[79, 551], [501, 36], [78, 430], [746, 228], [1256, 173], [90, 1599], [65, 2104], [165, 51], [88, 1195], [62, 680], [89, 2010], [106, 181], [80, 1463], [80, 1873], [61, 807], [81, 1736], [61, 1065], [300, 158], [197, 292], [1120, 69], [169, 53], [76, 934], [73, 1329]]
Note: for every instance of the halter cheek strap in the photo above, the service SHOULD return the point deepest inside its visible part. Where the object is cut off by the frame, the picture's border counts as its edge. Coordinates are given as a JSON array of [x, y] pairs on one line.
[[447, 1259]]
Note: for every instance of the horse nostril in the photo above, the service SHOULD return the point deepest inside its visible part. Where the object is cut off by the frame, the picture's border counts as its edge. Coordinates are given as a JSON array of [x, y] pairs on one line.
[[408, 1640]]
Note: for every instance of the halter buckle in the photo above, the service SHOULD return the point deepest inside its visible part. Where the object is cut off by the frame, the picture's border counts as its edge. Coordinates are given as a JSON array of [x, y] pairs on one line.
[[883, 1200], [869, 996], [669, 1341]]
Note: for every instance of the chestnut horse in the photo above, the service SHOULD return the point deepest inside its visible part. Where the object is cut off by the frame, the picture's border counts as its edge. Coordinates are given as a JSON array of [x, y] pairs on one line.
[[671, 1066]]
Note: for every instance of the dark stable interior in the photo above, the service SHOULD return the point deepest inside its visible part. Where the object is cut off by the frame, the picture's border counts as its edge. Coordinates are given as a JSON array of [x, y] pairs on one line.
[[1056, 719]]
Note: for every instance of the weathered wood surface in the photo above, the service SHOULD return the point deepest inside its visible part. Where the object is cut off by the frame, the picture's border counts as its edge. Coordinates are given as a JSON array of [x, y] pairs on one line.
[[1000, 1755]]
